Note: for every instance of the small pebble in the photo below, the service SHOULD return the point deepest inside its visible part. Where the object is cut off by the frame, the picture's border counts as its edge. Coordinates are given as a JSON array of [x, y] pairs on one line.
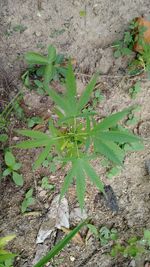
[[43, 193], [72, 258]]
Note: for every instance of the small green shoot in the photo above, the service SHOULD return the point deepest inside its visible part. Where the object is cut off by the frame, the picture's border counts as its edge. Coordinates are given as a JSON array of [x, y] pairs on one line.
[[6, 257], [134, 90], [82, 13], [28, 201], [46, 185], [43, 69], [34, 121], [13, 168]]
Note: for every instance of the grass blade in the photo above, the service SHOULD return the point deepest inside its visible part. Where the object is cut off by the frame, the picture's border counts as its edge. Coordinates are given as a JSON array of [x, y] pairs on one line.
[[56, 249]]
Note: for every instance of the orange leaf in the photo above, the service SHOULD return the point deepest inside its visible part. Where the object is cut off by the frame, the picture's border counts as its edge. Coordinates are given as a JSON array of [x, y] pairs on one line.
[[146, 35]]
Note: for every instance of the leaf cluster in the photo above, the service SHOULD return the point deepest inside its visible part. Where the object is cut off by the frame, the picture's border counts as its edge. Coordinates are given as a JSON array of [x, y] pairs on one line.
[[43, 69], [12, 168], [28, 200]]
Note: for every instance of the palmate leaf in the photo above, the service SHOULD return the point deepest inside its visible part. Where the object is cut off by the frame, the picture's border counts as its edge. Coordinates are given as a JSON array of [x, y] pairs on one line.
[[81, 169]]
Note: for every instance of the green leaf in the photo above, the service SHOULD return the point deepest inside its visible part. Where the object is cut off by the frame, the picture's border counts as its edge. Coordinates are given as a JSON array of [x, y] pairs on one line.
[[93, 229], [58, 100], [80, 183], [58, 247], [9, 159], [118, 136], [5, 240], [68, 180], [86, 94], [7, 172], [35, 58], [17, 178], [51, 53], [24, 206], [33, 134], [112, 120], [3, 137], [33, 143], [70, 83], [17, 166], [110, 150], [43, 155], [90, 172], [29, 193]]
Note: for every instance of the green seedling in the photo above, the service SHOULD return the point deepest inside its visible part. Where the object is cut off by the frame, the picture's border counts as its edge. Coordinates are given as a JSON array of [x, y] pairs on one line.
[[82, 13], [13, 168], [6, 257], [133, 91], [113, 172], [28, 201], [46, 185], [19, 28], [104, 235], [43, 69], [57, 33], [76, 137], [34, 121]]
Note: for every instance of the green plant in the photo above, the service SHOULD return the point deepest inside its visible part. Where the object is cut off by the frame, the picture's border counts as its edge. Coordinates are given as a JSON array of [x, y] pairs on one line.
[[12, 168], [28, 200], [46, 185], [6, 257], [77, 137], [58, 247], [34, 121], [42, 70], [125, 46], [134, 90], [104, 235]]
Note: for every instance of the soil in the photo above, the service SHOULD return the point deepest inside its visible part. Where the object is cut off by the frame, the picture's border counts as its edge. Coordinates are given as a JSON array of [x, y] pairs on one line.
[[88, 39]]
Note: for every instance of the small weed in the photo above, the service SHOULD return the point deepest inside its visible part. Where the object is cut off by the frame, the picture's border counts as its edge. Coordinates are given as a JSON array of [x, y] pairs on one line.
[[19, 28], [13, 168], [34, 121], [132, 247], [56, 33], [46, 185], [28, 201], [42, 70], [133, 91], [82, 13], [6, 257]]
